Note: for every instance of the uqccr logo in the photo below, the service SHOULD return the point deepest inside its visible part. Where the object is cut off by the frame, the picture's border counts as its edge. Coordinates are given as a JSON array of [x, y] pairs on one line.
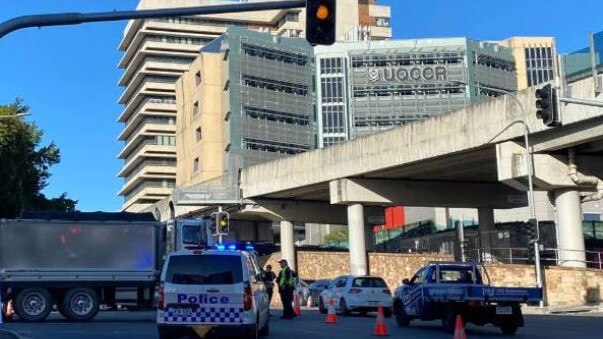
[[408, 74]]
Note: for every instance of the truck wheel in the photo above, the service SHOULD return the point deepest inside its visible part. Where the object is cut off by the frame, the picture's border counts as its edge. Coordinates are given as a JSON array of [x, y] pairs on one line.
[[509, 327], [33, 304], [80, 304], [449, 320], [401, 318]]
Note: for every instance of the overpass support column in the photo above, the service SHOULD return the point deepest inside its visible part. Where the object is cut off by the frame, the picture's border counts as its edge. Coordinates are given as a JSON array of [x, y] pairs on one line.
[[485, 216], [357, 240], [287, 243], [569, 228]]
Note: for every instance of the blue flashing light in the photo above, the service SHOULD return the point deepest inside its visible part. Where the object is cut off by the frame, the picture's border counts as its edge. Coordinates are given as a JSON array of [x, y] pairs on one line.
[[232, 247], [220, 247]]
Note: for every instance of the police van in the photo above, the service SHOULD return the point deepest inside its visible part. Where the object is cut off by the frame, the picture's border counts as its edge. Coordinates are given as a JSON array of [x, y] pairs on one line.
[[212, 291]]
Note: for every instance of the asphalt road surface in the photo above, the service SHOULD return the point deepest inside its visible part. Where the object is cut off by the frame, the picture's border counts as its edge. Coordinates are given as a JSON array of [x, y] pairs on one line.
[[131, 325]]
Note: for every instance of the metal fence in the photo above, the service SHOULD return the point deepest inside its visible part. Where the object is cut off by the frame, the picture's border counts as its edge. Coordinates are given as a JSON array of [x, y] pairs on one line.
[[548, 256]]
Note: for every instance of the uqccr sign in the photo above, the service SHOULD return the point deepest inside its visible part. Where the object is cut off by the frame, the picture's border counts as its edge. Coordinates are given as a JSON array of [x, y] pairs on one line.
[[412, 74]]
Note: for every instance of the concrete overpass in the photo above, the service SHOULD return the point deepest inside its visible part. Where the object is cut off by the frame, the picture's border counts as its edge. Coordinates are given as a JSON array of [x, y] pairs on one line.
[[473, 157]]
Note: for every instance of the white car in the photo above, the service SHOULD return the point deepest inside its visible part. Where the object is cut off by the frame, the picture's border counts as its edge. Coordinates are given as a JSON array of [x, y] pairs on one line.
[[212, 291], [357, 294]]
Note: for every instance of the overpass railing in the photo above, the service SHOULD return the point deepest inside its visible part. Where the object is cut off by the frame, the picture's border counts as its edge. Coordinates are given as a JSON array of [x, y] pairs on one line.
[[548, 256]]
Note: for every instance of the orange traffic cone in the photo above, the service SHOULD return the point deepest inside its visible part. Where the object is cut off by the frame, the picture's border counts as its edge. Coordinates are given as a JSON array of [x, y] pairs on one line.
[[309, 303], [296, 305], [459, 329], [331, 315], [380, 329]]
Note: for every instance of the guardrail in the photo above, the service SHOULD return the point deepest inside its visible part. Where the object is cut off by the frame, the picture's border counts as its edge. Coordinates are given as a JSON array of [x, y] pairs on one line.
[[548, 256]]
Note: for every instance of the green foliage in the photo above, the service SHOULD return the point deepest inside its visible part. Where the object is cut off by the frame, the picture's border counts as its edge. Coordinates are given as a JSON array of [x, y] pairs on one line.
[[25, 165], [337, 237]]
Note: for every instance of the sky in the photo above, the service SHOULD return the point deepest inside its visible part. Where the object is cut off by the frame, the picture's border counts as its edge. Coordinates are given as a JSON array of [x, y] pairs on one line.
[[68, 75]]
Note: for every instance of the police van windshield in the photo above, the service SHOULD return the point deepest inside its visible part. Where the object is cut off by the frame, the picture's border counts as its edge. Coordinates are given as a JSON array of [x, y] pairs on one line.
[[204, 270]]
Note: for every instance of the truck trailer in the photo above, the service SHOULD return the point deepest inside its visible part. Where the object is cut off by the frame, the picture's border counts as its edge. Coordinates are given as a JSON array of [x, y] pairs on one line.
[[76, 262]]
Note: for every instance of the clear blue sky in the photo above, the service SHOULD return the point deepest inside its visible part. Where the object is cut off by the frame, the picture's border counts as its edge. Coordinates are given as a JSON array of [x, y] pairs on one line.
[[68, 75]]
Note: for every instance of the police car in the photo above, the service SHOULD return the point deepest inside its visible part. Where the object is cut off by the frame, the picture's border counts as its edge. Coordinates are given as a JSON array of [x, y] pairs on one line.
[[206, 291]]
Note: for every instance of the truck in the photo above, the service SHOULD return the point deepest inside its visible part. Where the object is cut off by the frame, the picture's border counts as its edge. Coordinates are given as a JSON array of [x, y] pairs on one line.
[[444, 290], [76, 262]]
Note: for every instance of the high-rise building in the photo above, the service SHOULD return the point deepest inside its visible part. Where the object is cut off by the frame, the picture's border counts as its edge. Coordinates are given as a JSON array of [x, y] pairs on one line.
[[247, 98], [158, 51], [535, 59], [367, 87]]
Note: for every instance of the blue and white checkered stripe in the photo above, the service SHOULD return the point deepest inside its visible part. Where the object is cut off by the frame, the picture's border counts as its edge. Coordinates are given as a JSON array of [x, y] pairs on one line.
[[214, 315]]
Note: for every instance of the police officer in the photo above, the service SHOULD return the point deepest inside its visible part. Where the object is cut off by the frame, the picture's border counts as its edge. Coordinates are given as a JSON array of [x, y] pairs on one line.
[[268, 279], [286, 286]]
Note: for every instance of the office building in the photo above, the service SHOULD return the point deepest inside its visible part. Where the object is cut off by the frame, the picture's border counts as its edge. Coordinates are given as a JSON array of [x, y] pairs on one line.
[[366, 87], [247, 98], [158, 51], [535, 59]]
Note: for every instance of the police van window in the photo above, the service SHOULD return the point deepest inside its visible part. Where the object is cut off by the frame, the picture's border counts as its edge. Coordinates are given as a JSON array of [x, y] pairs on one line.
[[456, 275], [204, 270], [369, 283], [419, 277]]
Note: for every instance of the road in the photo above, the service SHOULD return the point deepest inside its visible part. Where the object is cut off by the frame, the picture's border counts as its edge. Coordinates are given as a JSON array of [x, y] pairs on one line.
[[128, 325]]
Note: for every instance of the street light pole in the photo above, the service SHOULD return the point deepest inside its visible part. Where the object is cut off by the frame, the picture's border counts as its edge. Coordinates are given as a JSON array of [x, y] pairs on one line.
[[529, 169]]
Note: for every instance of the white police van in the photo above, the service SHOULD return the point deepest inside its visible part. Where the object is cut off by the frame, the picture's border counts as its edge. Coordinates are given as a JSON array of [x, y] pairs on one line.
[[212, 291]]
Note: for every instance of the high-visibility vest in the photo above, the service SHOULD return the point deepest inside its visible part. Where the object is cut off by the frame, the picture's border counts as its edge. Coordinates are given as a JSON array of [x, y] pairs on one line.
[[286, 278]]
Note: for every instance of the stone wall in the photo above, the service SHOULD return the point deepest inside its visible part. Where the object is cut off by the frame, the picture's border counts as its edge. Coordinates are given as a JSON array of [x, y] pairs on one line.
[[564, 286]]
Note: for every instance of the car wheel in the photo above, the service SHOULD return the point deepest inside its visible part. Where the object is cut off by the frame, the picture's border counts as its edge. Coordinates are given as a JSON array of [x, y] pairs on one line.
[[343, 307], [401, 318], [80, 304], [33, 304], [509, 327], [321, 307]]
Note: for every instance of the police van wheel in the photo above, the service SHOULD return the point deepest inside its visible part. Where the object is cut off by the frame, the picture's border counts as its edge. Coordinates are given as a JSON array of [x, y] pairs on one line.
[[80, 304], [449, 319], [265, 330], [33, 304]]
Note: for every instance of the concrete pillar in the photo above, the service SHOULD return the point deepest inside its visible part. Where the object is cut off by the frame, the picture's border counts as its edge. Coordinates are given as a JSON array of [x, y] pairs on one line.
[[569, 228], [287, 243], [357, 240]]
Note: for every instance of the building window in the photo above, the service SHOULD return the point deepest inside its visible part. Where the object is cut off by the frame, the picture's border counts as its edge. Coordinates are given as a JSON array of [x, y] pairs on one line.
[[165, 140], [196, 108], [382, 22], [196, 165], [591, 216], [198, 134], [198, 78]]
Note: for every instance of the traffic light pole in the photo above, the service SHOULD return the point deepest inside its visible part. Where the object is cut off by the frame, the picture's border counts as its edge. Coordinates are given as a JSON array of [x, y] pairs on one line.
[[220, 236], [65, 19]]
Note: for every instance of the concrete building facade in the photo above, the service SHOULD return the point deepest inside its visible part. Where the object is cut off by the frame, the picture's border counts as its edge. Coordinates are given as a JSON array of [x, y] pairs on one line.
[[535, 59], [246, 99], [158, 51]]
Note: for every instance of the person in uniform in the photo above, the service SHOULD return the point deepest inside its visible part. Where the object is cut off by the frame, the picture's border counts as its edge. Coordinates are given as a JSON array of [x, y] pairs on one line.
[[286, 287]]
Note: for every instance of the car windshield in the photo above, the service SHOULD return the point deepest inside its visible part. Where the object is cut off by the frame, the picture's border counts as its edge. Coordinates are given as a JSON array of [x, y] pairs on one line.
[[204, 270], [369, 283]]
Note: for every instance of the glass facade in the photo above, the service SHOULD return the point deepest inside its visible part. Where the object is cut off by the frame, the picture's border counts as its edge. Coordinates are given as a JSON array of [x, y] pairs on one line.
[[578, 65], [362, 91]]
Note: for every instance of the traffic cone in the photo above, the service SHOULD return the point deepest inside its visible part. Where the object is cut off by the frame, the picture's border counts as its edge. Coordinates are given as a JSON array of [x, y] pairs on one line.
[[380, 329], [459, 329], [331, 314], [309, 303], [296, 305]]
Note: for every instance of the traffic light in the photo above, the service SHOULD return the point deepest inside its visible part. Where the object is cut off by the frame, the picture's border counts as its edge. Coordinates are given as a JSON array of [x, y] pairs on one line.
[[531, 252], [320, 22], [223, 220], [532, 230], [546, 105]]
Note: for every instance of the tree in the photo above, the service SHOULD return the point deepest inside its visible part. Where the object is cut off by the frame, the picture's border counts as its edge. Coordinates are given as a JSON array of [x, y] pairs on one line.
[[24, 166], [337, 237]]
